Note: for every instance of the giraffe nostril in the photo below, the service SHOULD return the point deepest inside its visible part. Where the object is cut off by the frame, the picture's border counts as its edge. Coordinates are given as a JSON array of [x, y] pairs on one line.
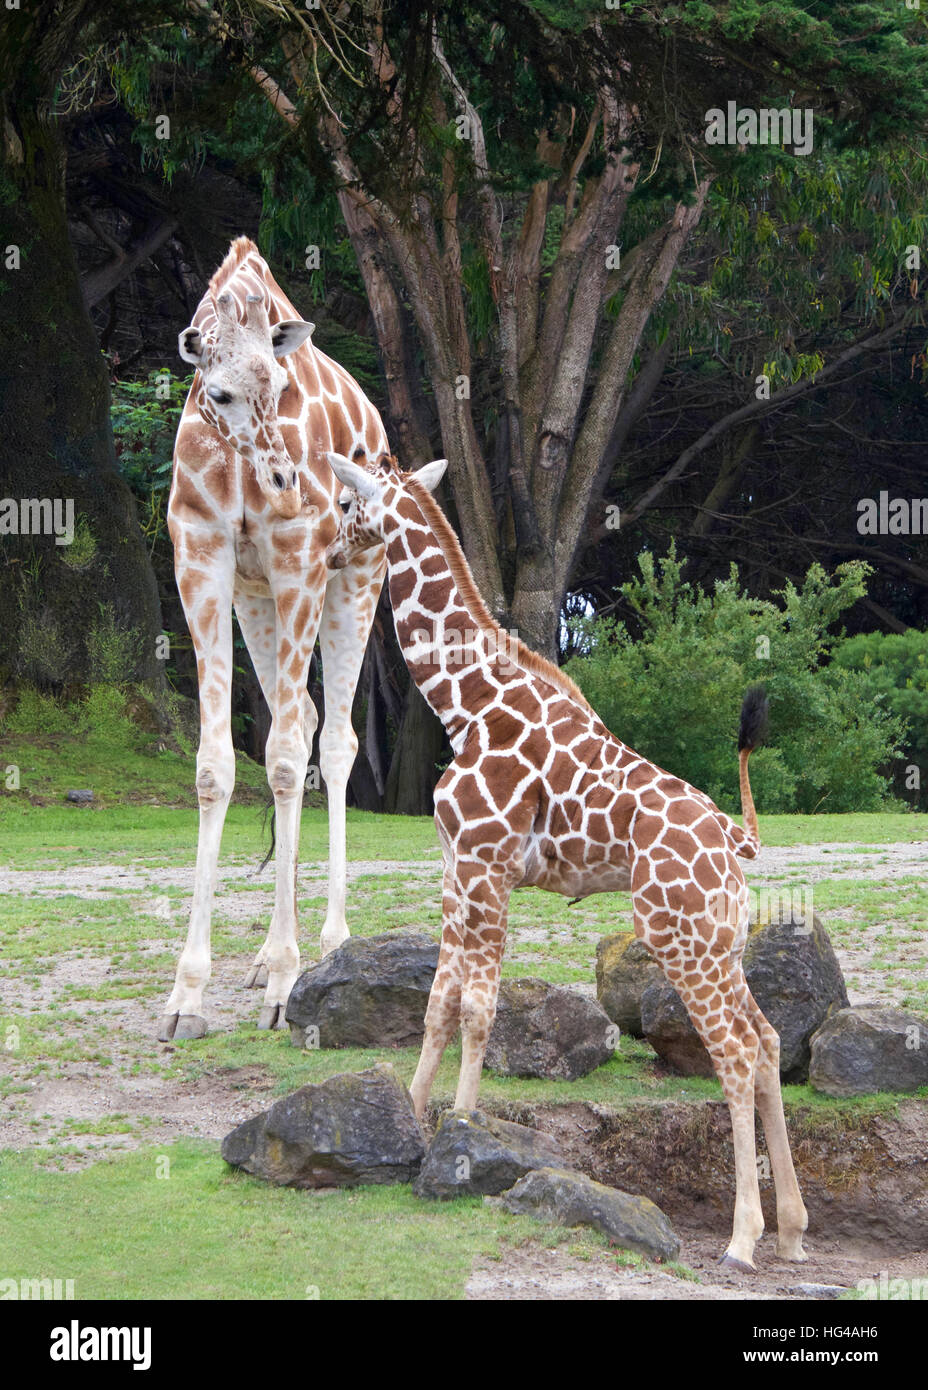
[[293, 479], [279, 481]]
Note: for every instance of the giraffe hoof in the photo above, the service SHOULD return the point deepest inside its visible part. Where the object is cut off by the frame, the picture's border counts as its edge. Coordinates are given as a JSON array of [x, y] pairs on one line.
[[271, 1016], [256, 977], [796, 1255], [177, 1027], [742, 1266]]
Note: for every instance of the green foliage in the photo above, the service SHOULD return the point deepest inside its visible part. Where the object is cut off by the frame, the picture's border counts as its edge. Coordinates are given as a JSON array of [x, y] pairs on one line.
[[896, 665], [145, 416], [101, 712], [675, 692], [38, 714], [113, 651], [809, 248], [79, 554]]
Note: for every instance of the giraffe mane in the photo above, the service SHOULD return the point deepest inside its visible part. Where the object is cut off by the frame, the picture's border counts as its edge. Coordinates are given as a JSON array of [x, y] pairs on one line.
[[241, 247], [450, 547]]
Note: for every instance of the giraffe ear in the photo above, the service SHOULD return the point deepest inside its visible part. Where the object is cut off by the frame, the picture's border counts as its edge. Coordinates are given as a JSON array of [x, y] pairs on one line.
[[353, 476], [290, 334], [431, 474], [190, 345]]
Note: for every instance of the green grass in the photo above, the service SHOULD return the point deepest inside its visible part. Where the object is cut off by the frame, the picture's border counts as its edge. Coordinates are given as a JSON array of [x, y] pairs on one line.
[[35, 837], [864, 828], [203, 1231]]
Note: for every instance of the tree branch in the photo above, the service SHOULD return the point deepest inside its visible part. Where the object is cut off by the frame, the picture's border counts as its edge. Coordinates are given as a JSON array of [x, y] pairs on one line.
[[755, 408]]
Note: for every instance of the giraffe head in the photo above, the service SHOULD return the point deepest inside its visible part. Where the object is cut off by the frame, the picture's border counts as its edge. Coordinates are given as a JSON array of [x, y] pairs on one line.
[[370, 501], [240, 386]]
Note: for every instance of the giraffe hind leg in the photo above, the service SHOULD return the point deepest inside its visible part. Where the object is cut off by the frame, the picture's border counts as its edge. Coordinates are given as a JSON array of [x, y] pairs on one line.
[[710, 995], [792, 1218]]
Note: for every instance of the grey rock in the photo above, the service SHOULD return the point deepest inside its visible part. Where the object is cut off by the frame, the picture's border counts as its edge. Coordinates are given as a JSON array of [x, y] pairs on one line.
[[548, 1031], [792, 972], [570, 1199], [862, 1050], [624, 969], [353, 1128], [369, 992], [820, 1290], [80, 796], [477, 1153]]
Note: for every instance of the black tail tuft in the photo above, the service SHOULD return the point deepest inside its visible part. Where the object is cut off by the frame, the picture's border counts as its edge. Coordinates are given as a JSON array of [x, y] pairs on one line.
[[270, 809], [755, 714]]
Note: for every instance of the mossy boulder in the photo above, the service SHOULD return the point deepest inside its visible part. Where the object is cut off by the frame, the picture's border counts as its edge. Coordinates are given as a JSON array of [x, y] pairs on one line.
[[624, 969], [353, 1128], [793, 973], [565, 1198], [863, 1050], [548, 1031], [477, 1153], [370, 992]]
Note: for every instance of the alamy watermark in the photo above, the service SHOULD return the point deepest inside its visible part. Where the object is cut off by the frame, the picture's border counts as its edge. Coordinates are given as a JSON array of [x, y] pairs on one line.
[[766, 126], [882, 1287], [472, 646], [782, 905], [892, 516], [38, 516], [31, 1290]]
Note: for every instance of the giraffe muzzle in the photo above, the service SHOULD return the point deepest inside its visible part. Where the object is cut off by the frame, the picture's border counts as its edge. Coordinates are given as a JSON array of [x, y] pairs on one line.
[[284, 493]]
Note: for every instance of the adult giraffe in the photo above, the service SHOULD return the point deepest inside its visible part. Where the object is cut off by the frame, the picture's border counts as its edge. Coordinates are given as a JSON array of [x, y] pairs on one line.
[[541, 794], [253, 508]]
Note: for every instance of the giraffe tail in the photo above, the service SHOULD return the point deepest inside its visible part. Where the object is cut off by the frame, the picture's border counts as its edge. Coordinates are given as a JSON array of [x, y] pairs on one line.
[[755, 712]]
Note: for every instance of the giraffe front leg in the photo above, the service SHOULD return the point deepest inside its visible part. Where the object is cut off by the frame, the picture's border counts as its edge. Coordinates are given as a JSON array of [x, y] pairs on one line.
[[286, 758], [279, 958], [257, 974], [209, 618], [444, 1006]]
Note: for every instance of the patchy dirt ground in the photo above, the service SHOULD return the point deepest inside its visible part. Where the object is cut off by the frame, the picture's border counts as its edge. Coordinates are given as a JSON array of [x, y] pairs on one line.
[[538, 1273]]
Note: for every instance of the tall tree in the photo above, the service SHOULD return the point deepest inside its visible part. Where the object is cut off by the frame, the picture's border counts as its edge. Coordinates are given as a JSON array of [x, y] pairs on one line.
[[494, 159], [86, 610]]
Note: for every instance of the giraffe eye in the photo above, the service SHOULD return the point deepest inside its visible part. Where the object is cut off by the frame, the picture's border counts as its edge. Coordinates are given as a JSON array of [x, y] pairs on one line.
[[217, 394]]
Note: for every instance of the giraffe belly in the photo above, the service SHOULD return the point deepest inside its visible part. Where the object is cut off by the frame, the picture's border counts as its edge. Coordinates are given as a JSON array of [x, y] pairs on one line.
[[550, 866]]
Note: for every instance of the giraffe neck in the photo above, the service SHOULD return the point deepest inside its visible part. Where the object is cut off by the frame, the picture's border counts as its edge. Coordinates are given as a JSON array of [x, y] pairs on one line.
[[458, 659]]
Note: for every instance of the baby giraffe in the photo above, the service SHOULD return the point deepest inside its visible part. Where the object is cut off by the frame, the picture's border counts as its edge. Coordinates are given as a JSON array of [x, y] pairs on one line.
[[541, 794]]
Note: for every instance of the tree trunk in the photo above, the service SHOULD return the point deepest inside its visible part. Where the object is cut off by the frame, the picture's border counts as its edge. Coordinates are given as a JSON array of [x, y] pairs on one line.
[[88, 610]]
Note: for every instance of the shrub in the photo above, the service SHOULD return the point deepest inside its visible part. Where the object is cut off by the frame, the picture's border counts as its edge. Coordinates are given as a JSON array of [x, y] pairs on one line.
[[897, 667], [674, 693], [99, 714]]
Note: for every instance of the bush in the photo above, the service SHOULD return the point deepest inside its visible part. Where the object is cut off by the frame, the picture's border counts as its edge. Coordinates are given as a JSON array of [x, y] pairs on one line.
[[99, 714], [897, 667], [674, 694]]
